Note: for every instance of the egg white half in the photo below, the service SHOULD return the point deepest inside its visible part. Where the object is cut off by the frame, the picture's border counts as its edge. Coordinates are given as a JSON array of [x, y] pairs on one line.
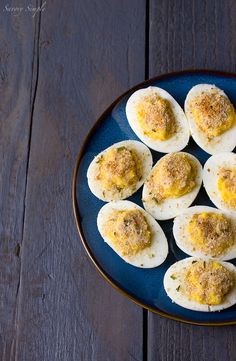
[[149, 257], [225, 142], [95, 184], [171, 207], [211, 175], [182, 236], [173, 291], [178, 141]]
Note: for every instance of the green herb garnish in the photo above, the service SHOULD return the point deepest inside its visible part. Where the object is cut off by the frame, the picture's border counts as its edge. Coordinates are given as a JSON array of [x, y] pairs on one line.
[[121, 148]]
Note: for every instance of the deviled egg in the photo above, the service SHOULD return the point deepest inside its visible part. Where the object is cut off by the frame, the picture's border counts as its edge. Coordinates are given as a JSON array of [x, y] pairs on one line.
[[120, 170], [158, 120], [201, 285], [219, 179], [206, 232], [172, 185], [212, 118], [133, 234]]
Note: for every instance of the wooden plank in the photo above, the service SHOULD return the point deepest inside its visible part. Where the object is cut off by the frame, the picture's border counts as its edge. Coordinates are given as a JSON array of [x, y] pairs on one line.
[[174, 341], [196, 34], [89, 52], [16, 91]]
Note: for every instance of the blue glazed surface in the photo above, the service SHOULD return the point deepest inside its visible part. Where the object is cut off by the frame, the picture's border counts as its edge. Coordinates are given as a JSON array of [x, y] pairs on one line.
[[145, 285]]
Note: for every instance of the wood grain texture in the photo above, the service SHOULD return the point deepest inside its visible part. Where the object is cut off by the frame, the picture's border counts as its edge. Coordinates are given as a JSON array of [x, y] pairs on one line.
[[66, 310], [196, 34], [16, 92], [192, 34], [174, 341]]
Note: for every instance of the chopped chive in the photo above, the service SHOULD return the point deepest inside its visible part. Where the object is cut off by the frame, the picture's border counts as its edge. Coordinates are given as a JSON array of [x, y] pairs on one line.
[[121, 148]]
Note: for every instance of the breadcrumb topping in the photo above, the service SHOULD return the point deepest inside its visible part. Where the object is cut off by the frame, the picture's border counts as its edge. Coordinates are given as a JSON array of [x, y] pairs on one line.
[[212, 113], [211, 233], [129, 231], [119, 168], [207, 282], [156, 117], [227, 186], [174, 176]]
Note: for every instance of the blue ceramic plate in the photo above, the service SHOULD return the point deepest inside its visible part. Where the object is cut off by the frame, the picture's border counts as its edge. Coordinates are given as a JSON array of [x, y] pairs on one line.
[[143, 286]]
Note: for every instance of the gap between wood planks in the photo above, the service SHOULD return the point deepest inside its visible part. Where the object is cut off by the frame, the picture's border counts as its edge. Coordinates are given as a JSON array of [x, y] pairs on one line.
[[33, 92]]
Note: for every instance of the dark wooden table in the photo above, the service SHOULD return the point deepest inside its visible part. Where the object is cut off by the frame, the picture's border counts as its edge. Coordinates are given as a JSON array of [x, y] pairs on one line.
[[59, 69]]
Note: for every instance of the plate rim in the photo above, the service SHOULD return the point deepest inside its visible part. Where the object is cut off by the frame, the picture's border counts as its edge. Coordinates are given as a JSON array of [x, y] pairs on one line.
[[77, 218]]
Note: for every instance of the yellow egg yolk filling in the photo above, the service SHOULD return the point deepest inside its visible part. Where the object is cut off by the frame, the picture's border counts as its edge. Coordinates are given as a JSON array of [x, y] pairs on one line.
[[213, 113], [128, 231], [119, 168], [227, 186], [174, 176], [211, 233], [207, 282], [156, 117]]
